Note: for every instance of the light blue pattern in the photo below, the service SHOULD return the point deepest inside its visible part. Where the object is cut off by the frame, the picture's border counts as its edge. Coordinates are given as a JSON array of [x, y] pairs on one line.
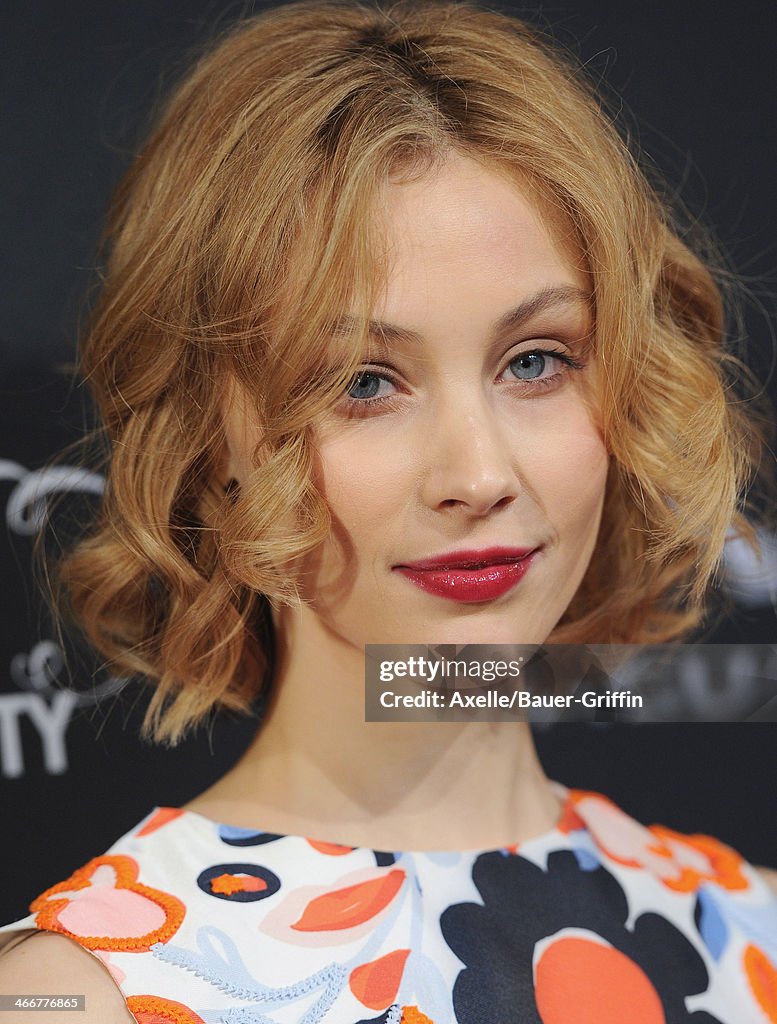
[[423, 977], [712, 925], [758, 923], [228, 973], [586, 859], [235, 832]]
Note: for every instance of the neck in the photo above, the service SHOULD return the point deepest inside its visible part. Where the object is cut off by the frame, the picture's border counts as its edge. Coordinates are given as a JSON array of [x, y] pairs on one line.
[[317, 768]]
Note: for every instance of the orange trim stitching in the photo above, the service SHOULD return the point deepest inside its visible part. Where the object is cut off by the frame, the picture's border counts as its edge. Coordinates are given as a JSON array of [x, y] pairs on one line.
[[126, 870], [171, 1010]]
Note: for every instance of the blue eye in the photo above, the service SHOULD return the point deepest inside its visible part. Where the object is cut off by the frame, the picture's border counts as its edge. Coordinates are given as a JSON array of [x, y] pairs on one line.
[[528, 365], [366, 385], [377, 390]]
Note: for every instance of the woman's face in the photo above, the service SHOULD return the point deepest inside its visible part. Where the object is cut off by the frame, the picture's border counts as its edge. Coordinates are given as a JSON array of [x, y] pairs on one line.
[[464, 470]]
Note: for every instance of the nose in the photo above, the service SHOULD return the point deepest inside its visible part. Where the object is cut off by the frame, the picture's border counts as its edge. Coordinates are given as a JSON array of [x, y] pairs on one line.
[[470, 465]]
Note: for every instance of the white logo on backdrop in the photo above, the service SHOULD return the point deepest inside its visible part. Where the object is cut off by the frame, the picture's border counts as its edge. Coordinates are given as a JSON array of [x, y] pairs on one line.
[[750, 576], [25, 512], [43, 702]]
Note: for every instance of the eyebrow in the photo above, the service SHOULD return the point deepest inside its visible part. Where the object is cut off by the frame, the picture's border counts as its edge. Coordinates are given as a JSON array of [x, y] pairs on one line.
[[546, 298]]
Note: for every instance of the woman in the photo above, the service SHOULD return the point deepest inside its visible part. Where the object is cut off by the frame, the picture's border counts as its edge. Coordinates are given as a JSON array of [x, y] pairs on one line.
[[397, 345]]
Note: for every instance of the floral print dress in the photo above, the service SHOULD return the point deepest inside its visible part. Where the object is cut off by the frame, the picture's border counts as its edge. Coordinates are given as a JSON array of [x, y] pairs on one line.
[[598, 921]]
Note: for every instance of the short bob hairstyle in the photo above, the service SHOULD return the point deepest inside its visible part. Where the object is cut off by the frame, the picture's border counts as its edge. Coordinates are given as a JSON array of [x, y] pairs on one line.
[[244, 230]]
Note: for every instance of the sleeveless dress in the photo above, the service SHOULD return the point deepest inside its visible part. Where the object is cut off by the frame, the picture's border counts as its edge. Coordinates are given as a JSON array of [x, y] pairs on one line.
[[598, 921]]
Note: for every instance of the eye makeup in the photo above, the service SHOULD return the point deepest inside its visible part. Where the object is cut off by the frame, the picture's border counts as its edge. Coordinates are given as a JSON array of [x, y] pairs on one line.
[[370, 389]]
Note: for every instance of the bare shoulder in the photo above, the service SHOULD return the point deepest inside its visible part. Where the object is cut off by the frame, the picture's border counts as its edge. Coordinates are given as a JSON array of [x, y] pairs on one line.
[[769, 875], [49, 964]]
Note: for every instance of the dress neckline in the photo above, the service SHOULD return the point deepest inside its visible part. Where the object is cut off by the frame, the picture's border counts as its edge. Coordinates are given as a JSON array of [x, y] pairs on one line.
[[235, 833]]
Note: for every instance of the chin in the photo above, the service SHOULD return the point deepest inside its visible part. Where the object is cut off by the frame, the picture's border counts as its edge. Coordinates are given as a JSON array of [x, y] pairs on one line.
[[479, 629]]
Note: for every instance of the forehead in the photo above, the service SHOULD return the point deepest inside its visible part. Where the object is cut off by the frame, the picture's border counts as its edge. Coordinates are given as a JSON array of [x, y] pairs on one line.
[[463, 220]]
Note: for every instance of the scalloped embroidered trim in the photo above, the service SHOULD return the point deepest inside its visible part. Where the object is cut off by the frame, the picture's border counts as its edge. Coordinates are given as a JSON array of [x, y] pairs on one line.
[[47, 910], [168, 1009], [331, 974]]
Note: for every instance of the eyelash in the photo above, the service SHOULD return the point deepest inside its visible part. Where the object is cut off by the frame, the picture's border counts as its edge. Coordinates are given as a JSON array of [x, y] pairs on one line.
[[362, 406]]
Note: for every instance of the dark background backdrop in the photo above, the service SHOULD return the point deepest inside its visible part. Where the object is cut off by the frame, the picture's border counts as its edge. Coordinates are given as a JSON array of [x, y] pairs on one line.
[[79, 80]]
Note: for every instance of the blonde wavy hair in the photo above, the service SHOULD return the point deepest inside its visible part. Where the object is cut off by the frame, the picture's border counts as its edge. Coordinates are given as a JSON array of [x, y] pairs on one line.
[[242, 231]]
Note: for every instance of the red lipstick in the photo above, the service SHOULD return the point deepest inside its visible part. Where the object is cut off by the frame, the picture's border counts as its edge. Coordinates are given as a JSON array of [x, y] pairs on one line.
[[470, 576]]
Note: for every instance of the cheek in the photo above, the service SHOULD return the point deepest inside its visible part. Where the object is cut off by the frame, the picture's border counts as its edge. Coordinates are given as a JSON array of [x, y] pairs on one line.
[[570, 466], [355, 476]]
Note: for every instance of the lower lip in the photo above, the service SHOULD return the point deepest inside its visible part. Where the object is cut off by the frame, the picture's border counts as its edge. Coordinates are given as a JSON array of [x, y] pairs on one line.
[[469, 586]]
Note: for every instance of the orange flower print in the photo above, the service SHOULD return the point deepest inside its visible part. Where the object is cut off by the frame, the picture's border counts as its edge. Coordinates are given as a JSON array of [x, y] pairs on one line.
[[376, 984], [345, 908], [103, 907], [412, 1015], [331, 849], [723, 865], [681, 862], [590, 982], [228, 884], [156, 1010], [161, 817], [762, 978], [239, 883]]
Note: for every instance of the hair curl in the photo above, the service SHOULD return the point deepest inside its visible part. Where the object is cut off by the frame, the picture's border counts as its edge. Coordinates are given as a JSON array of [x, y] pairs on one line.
[[246, 226]]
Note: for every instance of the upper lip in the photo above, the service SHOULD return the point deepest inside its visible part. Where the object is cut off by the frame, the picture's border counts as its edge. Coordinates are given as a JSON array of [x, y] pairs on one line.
[[469, 559]]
